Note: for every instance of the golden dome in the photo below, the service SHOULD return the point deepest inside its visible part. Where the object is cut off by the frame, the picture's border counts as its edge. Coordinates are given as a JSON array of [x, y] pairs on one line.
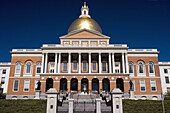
[[84, 22]]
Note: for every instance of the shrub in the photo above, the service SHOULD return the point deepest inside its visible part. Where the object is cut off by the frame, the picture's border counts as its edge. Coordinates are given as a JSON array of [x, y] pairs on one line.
[[2, 96]]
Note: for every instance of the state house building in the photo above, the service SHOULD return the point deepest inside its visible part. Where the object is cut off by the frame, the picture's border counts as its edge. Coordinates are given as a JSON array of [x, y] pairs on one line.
[[84, 63]]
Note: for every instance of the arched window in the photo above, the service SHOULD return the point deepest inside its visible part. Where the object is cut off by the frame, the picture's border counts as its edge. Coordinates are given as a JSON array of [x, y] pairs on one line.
[[151, 67], [130, 67], [18, 68], [28, 67], [141, 67], [38, 67]]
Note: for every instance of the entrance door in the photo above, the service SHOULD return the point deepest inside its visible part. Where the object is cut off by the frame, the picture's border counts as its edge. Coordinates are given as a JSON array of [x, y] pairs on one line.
[[84, 86], [49, 83], [120, 84]]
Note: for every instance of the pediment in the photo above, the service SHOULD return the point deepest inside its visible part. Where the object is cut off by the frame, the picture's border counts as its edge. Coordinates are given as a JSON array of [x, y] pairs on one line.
[[85, 34]]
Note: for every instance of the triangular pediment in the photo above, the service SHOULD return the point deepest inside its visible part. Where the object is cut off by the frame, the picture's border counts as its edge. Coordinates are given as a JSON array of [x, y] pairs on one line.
[[85, 34]]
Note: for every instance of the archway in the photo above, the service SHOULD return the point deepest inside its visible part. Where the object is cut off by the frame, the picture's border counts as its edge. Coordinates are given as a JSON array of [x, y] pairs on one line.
[[120, 84], [106, 85], [84, 86], [63, 84], [49, 83], [74, 84], [95, 85]]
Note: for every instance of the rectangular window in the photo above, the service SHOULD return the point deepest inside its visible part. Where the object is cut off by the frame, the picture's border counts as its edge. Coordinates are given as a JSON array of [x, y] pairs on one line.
[[75, 43], [153, 85], [84, 66], [36, 84], [104, 67], [165, 70], [51, 67], [167, 80], [94, 44], [116, 70], [3, 80], [75, 66], [26, 85], [38, 70], [4, 71], [64, 66], [168, 89], [142, 85], [84, 44], [16, 85], [94, 66], [132, 85], [1, 90]]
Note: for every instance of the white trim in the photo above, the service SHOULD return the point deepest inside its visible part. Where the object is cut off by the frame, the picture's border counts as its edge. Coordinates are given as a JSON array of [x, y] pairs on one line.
[[145, 55], [35, 55]]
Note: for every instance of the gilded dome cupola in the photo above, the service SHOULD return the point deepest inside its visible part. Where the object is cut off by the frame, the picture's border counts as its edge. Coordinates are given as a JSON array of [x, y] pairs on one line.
[[84, 22]]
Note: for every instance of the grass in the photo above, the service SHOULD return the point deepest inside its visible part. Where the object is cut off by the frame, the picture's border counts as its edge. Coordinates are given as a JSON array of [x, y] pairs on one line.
[[39, 106], [22, 106]]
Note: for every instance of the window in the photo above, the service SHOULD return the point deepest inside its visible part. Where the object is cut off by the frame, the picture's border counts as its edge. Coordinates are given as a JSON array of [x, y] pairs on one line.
[[64, 66], [153, 85], [38, 67], [141, 67], [18, 68], [85, 12], [103, 43], [104, 66], [151, 67], [4, 71], [94, 66], [1, 90], [3, 80], [142, 85], [84, 44], [66, 43], [94, 44], [28, 67], [168, 89], [36, 84], [130, 67], [132, 85], [167, 80], [52, 67], [75, 43], [165, 70], [75, 66], [84, 66], [16, 84], [26, 85], [116, 70]]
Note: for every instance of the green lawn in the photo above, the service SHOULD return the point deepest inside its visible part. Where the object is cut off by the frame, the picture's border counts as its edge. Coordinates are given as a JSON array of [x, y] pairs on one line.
[[39, 106]]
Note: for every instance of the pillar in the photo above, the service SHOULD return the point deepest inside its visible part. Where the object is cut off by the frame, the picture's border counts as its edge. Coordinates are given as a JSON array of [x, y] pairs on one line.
[[52, 100], [42, 65], [110, 66], [117, 106], [113, 62], [46, 63], [79, 62], [70, 101], [89, 62], [127, 64], [98, 105], [59, 63], [123, 62], [100, 63], [69, 62], [55, 70]]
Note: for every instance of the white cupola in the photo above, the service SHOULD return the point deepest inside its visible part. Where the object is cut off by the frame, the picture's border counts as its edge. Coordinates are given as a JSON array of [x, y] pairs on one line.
[[84, 11]]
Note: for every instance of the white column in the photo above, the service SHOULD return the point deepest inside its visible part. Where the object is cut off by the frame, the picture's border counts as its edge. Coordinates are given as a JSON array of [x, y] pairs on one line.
[[110, 63], [42, 64], [89, 62], [113, 62], [79, 62], [123, 62], [59, 63], [127, 64], [69, 62], [100, 71], [46, 59], [55, 70]]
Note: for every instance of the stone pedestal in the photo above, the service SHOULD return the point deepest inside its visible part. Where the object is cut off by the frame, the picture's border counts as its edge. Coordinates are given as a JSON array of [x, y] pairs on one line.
[[132, 95], [37, 94], [117, 106], [52, 100], [98, 105], [70, 105]]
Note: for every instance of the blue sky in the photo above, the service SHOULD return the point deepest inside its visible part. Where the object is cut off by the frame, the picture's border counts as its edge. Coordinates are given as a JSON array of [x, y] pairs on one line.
[[142, 24]]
